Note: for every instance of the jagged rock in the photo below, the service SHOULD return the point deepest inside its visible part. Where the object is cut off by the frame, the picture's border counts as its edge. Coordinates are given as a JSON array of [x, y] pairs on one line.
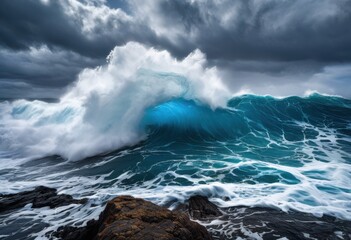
[[126, 217], [201, 208], [267, 223], [130, 218], [40, 197], [88, 232]]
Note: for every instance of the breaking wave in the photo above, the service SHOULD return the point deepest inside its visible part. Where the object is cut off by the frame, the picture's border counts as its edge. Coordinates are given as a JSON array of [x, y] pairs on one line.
[[181, 133], [103, 110]]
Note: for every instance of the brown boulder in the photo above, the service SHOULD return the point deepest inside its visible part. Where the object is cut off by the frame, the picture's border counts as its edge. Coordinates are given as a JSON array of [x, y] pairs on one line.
[[126, 217]]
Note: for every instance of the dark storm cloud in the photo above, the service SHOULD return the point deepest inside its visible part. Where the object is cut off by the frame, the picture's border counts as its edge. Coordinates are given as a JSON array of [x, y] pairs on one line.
[[36, 66], [28, 23], [34, 23], [40, 71], [45, 44], [253, 30], [266, 46]]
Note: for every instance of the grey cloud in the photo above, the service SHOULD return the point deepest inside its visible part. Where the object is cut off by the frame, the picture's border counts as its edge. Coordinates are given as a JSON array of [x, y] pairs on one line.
[[45, 44], [39, 68], [10, 89], [286, 79], [252, 30], [88, 29], [268, 46], [28, 23], [229, 30]]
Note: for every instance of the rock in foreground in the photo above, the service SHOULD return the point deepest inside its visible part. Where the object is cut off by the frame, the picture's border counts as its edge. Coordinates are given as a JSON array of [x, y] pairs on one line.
[[265, 223], [131, 218], [242, 222], [40, 197], [126, 217]]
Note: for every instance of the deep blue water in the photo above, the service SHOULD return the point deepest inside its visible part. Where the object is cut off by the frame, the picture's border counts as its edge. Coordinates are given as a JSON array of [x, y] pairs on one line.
[[288, 153]]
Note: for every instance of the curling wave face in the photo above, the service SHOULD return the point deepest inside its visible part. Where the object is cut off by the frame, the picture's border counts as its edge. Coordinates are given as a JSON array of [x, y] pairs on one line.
[[103, 110], [288, 153]]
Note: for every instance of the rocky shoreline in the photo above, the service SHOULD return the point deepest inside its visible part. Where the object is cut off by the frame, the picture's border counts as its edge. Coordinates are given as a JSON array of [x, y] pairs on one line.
[[39, 197], [126, 217]]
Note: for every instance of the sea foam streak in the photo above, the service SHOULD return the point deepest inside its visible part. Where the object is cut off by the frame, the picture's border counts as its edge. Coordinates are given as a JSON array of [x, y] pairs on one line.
[[288, 153], [103, 110]]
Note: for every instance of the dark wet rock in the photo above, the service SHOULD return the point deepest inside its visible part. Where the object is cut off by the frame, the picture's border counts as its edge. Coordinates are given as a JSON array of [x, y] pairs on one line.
[[126, 217], [78, 233], [263, 223], [267, 223], [39, 197], [201, 208]]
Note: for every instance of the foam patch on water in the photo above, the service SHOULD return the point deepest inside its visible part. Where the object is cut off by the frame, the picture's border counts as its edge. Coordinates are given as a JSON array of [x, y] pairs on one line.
[[285, 153], [103, 110]]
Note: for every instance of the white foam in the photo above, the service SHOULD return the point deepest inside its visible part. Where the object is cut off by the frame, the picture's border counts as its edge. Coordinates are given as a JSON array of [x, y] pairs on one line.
[[102, 111]]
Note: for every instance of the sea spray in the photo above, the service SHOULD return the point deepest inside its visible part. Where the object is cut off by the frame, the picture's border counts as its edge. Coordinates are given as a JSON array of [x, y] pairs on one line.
[[103, 109], [287, 153]]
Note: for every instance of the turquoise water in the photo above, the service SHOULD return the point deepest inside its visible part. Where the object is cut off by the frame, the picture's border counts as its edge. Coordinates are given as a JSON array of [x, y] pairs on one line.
[[287, 153]]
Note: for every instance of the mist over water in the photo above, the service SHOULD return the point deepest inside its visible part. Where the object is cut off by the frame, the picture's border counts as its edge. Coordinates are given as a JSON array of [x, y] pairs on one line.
[[181, 133]]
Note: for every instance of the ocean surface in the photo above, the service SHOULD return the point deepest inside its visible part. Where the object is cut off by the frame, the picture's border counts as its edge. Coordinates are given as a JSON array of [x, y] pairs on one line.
[[166, 133], [288, 153]]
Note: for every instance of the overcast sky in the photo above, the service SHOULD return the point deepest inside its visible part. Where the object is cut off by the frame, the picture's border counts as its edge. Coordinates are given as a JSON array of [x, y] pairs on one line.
[[278, 47]]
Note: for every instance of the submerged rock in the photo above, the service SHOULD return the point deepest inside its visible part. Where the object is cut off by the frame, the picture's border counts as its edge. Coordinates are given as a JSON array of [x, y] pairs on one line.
[[39, 197], [268, 223], [201, 208], [265, 223], [126, 217]]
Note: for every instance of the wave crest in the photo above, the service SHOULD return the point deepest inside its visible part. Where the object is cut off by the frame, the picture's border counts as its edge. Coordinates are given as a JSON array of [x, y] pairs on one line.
[[103, 110]]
